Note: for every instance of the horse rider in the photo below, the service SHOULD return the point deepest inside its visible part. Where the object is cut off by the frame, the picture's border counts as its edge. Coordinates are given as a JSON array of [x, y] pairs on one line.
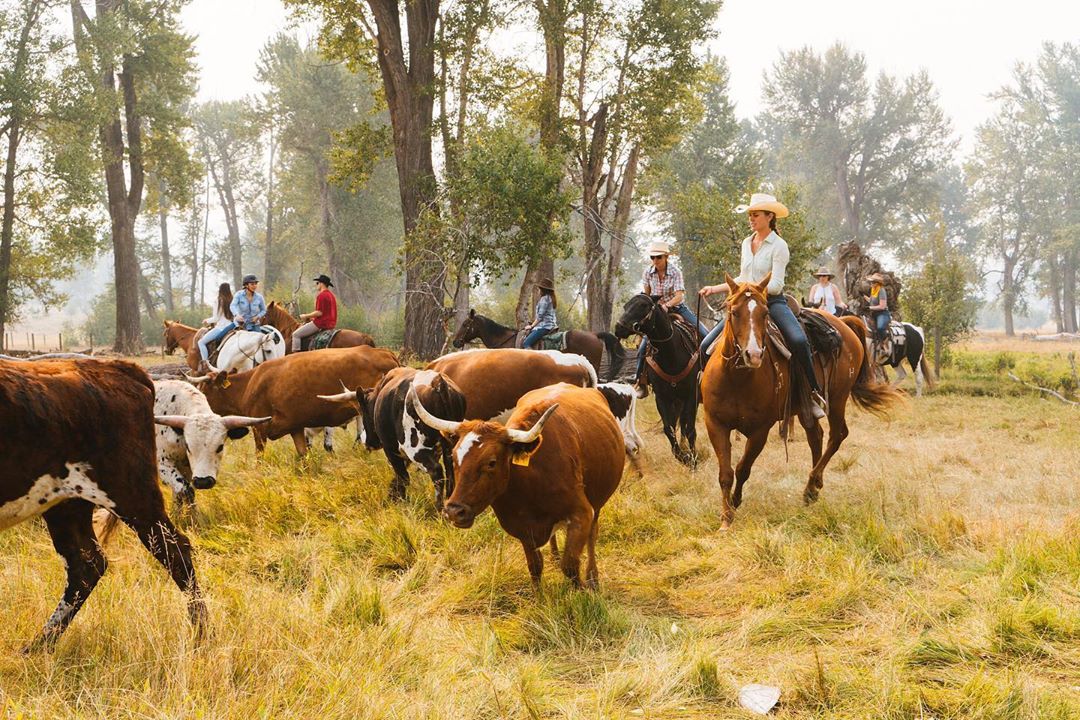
[[764, 251], [663, 280], [878, 305], [221, 322], [323, 317], [824, 294], [545, 314]]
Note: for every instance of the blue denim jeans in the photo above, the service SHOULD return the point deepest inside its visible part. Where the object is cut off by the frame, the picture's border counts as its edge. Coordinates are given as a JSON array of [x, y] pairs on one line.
[[791, 330], [882, 318], [210, 337], [534, 337], [684, 311]]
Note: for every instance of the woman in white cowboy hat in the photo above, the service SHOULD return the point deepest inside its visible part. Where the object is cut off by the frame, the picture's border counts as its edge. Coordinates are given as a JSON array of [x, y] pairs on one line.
[[663, 280], [824, 294], [763, 252]]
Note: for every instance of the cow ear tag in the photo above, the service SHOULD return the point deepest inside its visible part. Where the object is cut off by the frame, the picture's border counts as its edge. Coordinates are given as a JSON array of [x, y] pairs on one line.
[[226, 383], [523, 458]]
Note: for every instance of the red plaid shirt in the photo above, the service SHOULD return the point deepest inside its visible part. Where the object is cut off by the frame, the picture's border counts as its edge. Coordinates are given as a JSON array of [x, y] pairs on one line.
[[671, 284]]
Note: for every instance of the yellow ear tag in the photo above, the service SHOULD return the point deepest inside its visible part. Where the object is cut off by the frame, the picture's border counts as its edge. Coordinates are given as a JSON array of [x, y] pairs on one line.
[[226, 383], [523, 458]]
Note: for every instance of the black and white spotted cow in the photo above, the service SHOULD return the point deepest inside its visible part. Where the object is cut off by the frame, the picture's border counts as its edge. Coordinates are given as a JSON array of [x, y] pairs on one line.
[[76, 435], [389, 422], [191, 439], [622, 399]]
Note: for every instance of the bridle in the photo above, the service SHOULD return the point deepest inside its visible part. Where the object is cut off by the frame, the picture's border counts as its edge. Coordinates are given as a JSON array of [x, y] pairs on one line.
[[639, 325], [738, 355]]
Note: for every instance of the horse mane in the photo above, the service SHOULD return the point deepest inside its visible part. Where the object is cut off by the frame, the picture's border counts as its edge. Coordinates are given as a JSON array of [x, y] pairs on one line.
[[276, 312], [490, 324]]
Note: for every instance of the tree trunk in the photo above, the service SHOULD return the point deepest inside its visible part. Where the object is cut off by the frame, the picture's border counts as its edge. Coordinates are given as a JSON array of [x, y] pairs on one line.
[[1054, 290], [591, 177], [408, 88], [937, 353], [7, 230], [1008, 295], [166, 260], [223, 184], [268, 272], [1068, 291]]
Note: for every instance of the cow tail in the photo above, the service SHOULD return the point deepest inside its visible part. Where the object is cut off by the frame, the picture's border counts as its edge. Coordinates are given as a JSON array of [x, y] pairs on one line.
[[616, 354], [106, 525], [869, 394]]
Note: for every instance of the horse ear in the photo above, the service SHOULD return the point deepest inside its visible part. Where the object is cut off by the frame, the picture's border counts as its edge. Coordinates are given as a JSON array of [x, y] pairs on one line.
[[730, 283], [763, 286], [654, 298], [472, 312]]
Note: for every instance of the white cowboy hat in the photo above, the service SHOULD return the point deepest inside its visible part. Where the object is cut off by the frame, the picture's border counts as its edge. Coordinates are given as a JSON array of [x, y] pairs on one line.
[[658, 247], [763, 201]]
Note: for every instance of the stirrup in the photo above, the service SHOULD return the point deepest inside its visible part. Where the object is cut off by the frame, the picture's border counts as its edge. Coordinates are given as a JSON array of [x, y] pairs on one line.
[[818, 404]]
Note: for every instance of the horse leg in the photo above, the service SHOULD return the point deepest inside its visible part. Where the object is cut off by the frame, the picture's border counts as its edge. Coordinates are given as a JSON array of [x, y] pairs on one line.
[[838, 430], [916, 367], [720, 437], [754, 445], [688, 425], [668, 415], [901, 375], [814, 436]]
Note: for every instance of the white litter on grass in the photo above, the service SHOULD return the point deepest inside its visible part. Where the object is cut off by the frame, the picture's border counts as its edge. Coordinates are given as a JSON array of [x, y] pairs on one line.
[[674, 629], [638, 711], [759, 698]]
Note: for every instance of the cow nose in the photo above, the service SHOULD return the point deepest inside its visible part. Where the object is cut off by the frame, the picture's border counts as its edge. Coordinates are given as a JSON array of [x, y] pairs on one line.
[[204, 483], [459, 514]]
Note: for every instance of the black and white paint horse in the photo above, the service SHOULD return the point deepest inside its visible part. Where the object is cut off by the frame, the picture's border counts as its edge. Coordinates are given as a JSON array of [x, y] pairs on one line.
[[908, 343]]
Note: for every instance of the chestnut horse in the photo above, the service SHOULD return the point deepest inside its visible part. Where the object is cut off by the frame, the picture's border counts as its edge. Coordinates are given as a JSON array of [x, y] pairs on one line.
[[746, 386], [282, 319]]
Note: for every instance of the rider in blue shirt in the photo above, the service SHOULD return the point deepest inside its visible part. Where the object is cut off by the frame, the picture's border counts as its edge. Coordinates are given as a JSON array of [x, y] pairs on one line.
[[249, 307]]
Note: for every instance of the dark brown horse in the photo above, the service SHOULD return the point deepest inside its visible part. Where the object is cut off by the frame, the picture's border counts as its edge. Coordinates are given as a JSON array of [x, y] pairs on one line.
[[579, 342], [746, 386], [282, 319]]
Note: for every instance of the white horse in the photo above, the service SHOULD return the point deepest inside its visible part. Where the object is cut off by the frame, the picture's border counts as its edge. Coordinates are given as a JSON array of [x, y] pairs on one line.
[[245, 349]]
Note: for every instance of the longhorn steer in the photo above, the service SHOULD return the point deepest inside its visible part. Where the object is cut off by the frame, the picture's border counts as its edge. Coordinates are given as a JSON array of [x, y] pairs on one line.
[[76, 435], [538, 470], [287, 390], [191, 439], [494, 380], [389, 423]]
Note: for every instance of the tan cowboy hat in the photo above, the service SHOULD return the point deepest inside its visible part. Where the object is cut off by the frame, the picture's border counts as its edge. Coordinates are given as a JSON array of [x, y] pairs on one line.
[[824, 271], [763, 201], [546, 284], [876, 277], [658, 247]]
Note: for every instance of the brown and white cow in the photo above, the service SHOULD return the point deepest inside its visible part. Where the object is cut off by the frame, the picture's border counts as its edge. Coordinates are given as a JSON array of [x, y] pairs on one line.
[[76, 435], [287, 390], [494, 380], [622, 400], [191, 437], [389, 423], [556, 461]]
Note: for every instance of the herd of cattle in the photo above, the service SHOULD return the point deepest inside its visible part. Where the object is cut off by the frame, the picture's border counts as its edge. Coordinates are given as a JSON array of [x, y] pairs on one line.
[[530, 433]]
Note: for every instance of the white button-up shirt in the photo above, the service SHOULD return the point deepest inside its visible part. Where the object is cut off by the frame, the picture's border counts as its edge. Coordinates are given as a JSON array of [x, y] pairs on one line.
[[772, 256]]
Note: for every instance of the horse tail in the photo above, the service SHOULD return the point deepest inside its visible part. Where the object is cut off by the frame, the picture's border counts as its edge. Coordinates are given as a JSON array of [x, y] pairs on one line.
[[923, 366], [869, 394], [616, 354]]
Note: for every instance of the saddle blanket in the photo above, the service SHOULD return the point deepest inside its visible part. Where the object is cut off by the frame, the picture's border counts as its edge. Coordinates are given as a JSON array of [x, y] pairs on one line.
[[897, 332], [553, 341], [322, 339]]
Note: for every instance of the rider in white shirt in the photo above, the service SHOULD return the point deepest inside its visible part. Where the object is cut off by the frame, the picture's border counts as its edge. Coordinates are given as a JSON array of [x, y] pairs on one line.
[[824, 294]]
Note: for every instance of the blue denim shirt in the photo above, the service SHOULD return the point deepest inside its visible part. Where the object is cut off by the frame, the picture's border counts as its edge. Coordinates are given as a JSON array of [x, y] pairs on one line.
[[545, 313], [252, 310]]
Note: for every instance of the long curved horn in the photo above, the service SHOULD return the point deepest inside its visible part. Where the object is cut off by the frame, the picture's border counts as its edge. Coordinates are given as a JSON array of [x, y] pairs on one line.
[[347, 396], [236, 421], [428, 419], [527, 436], [196, 379], [173, 421]]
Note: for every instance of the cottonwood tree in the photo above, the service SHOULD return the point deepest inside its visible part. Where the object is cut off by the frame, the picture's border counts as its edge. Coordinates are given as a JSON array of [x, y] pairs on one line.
[[398, 37], [635, 72], [136, 69], [46, 172], [865, 154]]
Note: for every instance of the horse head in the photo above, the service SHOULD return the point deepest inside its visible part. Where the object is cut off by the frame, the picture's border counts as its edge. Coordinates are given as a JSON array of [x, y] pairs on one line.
[[748, 313], [642, 315], [168, 336], [470, 329]]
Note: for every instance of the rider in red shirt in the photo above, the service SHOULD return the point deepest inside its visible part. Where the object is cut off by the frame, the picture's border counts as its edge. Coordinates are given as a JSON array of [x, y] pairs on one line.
[[323, 317]]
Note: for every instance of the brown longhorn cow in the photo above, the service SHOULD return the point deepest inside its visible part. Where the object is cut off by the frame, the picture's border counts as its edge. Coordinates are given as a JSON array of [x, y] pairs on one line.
[[76, 435], [287, 390], [556, 461], [494, 380]]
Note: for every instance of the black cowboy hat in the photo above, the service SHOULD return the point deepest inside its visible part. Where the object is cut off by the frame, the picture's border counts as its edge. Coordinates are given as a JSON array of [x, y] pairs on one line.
[[546, 284], [324, 280]]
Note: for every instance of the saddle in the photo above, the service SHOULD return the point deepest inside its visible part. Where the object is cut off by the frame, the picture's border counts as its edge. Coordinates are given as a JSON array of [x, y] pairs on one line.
[[214, 347], [320, 340]]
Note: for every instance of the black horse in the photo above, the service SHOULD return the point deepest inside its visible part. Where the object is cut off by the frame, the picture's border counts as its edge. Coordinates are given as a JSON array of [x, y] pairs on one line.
[[579, 342], [673, 369]]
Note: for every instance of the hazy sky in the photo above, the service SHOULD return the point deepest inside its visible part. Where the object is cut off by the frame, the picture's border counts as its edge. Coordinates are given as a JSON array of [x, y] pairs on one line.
[[968, 47]]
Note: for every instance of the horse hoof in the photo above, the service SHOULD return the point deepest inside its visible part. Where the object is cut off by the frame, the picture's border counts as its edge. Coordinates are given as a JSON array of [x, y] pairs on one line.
[[810, 497]]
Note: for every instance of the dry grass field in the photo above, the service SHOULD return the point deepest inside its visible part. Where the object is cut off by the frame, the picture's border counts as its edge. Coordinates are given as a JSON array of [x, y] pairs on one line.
[[938, 577]]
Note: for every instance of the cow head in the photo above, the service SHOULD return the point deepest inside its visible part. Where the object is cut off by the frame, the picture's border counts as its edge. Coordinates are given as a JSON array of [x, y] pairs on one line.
[[482, 454], [204, 440], [364, 401], [748, 313]]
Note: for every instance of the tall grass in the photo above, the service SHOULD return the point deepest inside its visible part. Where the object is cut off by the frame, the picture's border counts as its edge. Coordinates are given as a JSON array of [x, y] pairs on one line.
[[937, 577]]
